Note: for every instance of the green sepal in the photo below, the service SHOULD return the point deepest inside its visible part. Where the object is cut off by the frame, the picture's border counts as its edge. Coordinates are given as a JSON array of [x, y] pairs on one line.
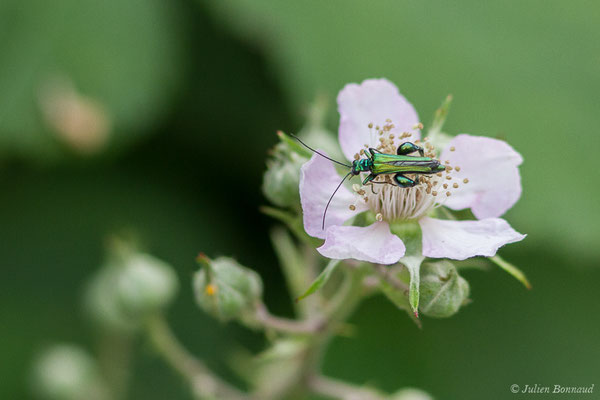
[[321, 279], [399, 295], [436, 137], [511, 269], [294, 145], [439, 118], [410, 233]]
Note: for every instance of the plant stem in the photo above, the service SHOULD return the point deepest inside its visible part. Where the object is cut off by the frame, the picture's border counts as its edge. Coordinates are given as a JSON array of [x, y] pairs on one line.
[[286, 325], [205, 384]]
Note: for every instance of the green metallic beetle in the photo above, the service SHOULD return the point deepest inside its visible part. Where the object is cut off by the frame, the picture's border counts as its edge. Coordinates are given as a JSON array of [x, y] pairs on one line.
[[378, 163]]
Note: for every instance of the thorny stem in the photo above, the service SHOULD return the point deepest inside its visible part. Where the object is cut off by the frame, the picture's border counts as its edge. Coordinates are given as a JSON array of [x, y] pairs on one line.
[[204, 383]]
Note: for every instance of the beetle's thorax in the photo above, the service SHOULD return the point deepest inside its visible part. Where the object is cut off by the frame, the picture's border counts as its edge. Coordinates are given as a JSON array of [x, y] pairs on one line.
[[362, 165]]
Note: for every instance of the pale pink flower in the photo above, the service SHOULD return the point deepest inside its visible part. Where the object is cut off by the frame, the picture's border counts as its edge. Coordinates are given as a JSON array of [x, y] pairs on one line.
[[485, 178]]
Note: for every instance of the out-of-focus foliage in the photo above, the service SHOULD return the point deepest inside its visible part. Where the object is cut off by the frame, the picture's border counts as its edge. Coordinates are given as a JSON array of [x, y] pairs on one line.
[[123, 56]]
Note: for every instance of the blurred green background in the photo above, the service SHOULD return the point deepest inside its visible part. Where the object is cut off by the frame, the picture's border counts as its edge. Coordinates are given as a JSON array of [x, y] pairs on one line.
[[169, 87]]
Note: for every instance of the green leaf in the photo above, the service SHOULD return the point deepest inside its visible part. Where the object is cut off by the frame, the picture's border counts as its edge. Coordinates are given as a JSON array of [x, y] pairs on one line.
[[511, 269], [321, 279]]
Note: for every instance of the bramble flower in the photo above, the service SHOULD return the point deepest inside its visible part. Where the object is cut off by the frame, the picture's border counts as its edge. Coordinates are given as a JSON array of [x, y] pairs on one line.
[[481, 174]]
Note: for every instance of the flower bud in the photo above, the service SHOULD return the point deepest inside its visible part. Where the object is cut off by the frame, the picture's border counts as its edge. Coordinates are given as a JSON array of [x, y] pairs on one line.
[[442, 290], [282, 179], [227, 290], [129, 288], [67, 372], [145, 284]]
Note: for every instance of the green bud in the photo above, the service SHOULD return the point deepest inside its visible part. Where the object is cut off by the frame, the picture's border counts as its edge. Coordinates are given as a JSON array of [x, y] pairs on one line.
[[129, 288], [282, 179], [410, 394], [226, 289], [67, 372], [443, 291], [145, 284]]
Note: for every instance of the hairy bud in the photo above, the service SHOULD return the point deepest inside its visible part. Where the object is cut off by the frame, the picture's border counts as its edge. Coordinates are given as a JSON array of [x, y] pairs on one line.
[[226, 289], [442, 290]]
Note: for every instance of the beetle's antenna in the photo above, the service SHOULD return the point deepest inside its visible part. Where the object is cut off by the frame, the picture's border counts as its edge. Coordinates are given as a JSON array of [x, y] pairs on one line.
[[333, 194], [319, 153]]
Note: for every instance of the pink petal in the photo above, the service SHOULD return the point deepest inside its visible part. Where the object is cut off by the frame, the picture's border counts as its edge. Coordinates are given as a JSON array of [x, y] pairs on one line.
[[491, 166], [460, 240], [375, 100], [318, 180], [373, 243]]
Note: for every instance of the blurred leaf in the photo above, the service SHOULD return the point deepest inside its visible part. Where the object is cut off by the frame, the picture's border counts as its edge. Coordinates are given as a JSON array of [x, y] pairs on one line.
[[121, 59]]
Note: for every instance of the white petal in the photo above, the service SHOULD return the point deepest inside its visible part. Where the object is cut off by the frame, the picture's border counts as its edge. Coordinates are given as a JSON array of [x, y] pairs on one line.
[[318, 180], [373, 101], [373, 243], [460, 240], [491, 166]]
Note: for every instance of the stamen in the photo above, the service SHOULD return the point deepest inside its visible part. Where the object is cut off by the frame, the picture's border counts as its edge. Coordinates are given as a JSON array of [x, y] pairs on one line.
[[452, 148], [465, 180], [352, 207], [379, 217], [455, 185]]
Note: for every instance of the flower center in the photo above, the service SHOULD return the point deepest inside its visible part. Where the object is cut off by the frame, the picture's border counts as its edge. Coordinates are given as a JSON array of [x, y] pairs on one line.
[[391, 202]]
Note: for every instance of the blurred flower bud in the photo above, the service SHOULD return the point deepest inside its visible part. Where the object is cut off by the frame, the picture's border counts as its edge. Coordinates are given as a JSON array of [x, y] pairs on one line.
[[128, 288], [282, 178], [67, 372], [443, 291], [227, 290], [410, 394]]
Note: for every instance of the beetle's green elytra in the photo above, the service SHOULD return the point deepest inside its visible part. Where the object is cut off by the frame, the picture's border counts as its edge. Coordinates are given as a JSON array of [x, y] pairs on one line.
[[377, 163]]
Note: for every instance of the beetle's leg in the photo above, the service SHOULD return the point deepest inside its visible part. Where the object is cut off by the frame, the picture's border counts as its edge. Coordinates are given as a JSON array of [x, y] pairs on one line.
[[408, 147], [368, 179], [405, 182], [372, 151]]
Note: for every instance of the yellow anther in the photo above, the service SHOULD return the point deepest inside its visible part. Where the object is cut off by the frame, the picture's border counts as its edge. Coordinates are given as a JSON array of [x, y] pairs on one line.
[[370, 125], [448, 194], [457, 169], [445, 186], [465, 180], [352, 207], [379, 217], [434, 193], [210, 289], [356, 156], [452, 148], [448, 177]]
